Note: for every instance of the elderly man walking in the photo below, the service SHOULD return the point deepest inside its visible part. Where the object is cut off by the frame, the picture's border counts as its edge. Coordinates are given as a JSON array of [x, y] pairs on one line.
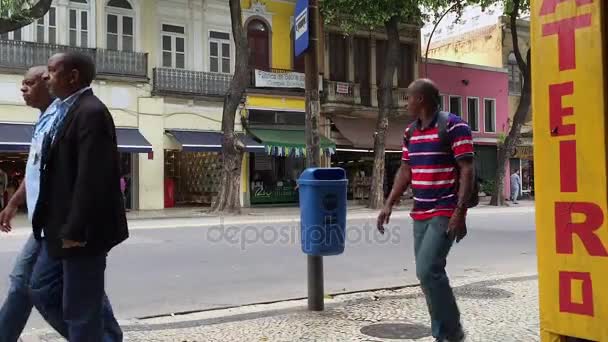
[[80, 215]]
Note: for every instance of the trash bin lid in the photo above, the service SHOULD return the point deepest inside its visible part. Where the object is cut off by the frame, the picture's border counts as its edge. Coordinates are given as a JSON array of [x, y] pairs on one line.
[[323, 174]]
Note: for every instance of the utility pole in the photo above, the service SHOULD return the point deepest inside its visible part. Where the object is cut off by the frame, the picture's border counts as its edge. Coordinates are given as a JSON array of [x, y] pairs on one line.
[[313, 152]]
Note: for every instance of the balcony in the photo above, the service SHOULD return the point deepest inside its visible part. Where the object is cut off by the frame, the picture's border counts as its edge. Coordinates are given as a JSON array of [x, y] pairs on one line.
[[345, 93], [400, 97], [190, 83], [20, 55]]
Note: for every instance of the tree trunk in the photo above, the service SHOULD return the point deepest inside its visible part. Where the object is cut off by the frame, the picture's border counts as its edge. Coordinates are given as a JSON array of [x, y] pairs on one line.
[[505, 151], [386, 107], [228, 198], [313, 152], [11, 22]]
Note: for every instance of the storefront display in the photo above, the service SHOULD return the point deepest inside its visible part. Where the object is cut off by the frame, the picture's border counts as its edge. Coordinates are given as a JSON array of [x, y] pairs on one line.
[[274, 179], [359, 168], [195, 176], [12, 172]]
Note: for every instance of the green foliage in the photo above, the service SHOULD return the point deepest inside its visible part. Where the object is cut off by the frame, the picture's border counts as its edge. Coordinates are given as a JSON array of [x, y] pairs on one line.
[[351, 15], [501, 137], [14, 8], [488, 187], [15, 14], [439, 6]]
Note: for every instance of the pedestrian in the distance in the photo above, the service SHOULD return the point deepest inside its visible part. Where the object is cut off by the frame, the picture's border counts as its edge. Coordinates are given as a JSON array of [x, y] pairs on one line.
[[79, 216], [438, 163], [515, 186]]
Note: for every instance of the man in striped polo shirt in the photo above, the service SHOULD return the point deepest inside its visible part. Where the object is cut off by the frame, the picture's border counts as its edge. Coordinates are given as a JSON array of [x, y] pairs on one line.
[[439, 167]]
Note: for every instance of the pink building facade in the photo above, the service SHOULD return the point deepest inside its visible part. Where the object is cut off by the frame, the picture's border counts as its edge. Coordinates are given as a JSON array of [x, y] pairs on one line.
[[480, 95]]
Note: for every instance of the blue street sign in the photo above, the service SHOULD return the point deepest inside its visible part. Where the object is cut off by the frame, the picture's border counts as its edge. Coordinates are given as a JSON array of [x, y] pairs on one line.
[[301, 27]]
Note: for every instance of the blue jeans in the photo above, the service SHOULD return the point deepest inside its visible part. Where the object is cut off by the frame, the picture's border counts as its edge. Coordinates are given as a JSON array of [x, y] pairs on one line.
[[70, 293], [431, 246], [514, 194], [18, 305]]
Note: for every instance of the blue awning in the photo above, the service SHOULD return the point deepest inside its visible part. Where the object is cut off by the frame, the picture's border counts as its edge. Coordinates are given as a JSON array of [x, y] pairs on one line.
[[16, 137], [201, 141], [130, 140]]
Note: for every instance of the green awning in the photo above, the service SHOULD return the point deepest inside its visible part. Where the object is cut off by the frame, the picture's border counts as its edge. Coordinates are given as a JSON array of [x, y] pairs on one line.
[[281, 142]]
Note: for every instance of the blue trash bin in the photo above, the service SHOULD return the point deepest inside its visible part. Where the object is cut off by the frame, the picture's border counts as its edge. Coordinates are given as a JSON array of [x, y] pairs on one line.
[[323, 210]]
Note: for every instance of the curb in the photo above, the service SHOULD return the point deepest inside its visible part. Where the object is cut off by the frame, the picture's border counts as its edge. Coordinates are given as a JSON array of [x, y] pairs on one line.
[[205, 222]]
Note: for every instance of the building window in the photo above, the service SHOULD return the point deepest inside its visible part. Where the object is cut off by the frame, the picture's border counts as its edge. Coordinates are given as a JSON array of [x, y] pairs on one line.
[[173, 46], [456, 105], [515, 80], [490, 115], [473, 113], [46, 27], [120, 26], [406, 65], [219, 52], [441, 103], [258, 35], [13, 35], [338, 57], [78, 23]]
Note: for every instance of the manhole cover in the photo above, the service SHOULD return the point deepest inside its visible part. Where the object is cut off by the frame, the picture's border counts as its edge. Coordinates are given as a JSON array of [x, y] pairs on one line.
[[479, 292], [396, 331]]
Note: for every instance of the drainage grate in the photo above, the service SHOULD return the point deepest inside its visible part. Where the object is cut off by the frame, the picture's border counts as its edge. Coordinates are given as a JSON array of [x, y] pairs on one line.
[[397, 331]]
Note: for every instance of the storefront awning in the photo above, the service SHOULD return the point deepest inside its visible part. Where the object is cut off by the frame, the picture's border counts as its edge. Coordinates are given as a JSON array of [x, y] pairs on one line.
[[281, 142], [130, 140], [201, 141], [360, 131], [17, 138]]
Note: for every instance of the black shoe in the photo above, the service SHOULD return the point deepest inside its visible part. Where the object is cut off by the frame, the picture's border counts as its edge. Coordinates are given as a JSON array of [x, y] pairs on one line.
[[459, 337]]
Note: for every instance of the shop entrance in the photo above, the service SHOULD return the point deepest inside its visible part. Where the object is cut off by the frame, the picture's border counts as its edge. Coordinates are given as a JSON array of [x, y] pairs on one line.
[[274, 178]]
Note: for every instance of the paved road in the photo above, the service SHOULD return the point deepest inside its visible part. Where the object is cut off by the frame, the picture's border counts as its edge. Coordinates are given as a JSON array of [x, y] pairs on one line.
[[166, 270]]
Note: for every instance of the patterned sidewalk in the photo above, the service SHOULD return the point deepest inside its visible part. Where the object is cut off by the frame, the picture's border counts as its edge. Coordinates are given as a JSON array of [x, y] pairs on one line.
[[494, 308]]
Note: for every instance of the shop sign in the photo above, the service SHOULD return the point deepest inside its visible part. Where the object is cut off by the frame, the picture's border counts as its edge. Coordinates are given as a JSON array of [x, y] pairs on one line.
[[342, 88], [524, 152], [282, 192], [569, 104], [279, 79]]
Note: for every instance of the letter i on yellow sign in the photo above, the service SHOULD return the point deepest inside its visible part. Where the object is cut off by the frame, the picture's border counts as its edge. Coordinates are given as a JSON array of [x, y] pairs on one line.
[[569, 100]]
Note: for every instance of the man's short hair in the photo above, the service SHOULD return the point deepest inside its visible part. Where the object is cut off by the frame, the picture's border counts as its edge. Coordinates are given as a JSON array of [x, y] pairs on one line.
[[428, 90], [81, 62], [37, 71]]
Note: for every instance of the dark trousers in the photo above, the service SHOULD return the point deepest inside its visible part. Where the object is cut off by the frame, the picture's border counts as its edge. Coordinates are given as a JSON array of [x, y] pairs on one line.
[[71, 292]]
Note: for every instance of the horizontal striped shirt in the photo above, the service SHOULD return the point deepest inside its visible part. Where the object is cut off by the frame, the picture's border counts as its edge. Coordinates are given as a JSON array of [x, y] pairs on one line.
[[433, 165]]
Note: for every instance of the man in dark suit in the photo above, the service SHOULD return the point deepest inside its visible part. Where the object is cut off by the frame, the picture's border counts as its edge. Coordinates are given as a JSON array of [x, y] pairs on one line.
[[80, 214]]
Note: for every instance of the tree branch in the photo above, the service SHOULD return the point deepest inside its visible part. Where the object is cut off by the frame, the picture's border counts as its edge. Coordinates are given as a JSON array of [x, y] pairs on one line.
[[25, 17], [523, 67]]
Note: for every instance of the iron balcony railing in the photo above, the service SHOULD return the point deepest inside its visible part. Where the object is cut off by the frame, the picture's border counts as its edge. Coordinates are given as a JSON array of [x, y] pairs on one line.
[[187, 82], [20, 55]]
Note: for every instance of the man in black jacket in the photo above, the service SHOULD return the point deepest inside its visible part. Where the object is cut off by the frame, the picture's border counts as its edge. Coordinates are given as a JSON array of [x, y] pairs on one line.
[[80, 214]]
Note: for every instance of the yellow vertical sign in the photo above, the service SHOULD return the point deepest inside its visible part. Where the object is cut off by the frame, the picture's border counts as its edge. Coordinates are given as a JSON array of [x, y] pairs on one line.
[[570, 138]]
